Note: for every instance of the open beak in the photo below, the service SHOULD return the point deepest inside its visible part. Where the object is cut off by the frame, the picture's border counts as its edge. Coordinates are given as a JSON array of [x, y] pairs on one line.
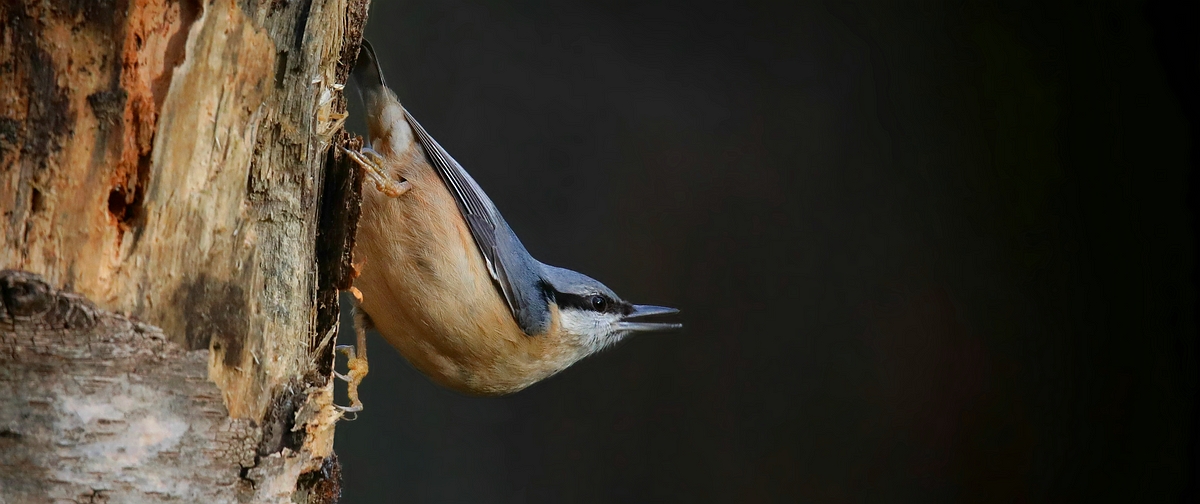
[[641, 311]]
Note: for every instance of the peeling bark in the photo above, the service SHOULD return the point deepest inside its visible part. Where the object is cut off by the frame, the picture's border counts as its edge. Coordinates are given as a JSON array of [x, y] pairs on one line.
[[168, 162]]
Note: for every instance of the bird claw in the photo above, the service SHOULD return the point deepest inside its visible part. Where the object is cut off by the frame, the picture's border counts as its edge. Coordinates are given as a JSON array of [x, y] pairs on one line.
[[356, 370], [372, 163], [346, 409]]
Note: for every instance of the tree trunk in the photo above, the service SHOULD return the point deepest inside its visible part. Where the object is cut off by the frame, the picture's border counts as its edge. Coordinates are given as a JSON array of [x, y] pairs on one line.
[[176, 228]]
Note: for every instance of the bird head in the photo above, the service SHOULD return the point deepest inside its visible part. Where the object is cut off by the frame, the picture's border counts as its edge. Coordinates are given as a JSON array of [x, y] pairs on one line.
[[593, 315]]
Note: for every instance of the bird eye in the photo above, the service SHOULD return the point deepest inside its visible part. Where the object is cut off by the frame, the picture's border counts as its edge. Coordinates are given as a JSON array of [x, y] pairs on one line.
[[599, 303]]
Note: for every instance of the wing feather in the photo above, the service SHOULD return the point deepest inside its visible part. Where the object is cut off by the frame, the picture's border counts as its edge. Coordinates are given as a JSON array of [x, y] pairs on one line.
[[480, 214]]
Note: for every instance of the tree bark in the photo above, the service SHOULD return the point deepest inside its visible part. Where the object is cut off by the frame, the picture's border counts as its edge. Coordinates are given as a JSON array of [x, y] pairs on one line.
[[176, 227]]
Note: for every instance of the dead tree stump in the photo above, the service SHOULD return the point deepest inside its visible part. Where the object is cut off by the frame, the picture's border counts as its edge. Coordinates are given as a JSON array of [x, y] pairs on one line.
[[176, 227]]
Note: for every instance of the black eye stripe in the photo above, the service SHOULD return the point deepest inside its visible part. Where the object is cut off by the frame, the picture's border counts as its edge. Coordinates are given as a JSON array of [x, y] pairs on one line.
[[572, 300], [578, 302]]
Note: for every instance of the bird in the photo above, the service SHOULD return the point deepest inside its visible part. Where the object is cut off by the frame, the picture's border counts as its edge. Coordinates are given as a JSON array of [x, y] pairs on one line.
[[443, 278]]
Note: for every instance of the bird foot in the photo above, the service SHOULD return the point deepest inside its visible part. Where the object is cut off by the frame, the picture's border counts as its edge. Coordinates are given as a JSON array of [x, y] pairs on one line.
[[356, 371], [372, 163]]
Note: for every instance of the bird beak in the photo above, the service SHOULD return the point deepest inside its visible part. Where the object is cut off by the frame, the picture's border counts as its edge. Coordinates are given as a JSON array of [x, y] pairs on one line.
[[640, 311]]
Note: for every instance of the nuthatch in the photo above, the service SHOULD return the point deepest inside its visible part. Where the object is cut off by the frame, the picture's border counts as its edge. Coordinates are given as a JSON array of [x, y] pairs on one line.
[[444, 279]]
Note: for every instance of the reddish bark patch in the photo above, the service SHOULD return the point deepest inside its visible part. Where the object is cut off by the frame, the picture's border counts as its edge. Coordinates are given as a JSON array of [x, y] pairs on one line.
[[154, 43]]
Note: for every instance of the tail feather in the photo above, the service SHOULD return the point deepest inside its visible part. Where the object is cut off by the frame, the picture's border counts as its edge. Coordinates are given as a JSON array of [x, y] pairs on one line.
[[369, 77], [366, 73], [383, 113]]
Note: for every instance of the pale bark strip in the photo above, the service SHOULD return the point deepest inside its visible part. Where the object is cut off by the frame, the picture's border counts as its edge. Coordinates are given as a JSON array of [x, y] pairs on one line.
[[96, 406]]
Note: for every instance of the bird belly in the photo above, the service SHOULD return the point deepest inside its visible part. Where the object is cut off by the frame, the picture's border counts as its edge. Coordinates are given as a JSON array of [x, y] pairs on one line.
[[427, 290]]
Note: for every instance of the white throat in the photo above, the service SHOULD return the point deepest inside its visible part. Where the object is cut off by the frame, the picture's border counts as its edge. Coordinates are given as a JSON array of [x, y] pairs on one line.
[[594, 331]]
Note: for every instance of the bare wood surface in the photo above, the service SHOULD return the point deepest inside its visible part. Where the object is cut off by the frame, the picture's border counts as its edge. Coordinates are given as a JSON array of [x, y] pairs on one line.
[[169, 161]]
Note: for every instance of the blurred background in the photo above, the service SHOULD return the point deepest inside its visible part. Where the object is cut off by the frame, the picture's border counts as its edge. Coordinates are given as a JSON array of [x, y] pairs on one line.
[[925, 251]]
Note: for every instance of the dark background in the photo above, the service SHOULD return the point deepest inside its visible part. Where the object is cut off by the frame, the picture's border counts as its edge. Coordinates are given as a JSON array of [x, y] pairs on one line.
[[925, 251]]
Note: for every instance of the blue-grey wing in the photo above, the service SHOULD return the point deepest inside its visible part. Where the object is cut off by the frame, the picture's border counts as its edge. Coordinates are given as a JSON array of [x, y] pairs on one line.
[[513, 270]]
